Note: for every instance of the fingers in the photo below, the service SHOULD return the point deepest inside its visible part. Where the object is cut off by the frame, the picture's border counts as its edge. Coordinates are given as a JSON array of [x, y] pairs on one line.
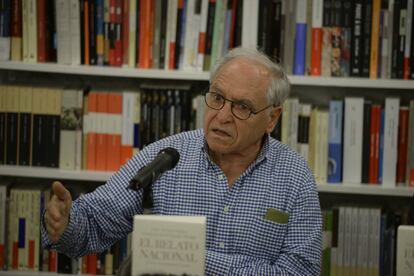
[[61, 192], [57, 211]]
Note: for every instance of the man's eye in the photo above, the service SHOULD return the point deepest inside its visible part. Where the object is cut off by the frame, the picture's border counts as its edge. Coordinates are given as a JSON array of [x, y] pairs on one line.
[[217, 98], [242, 107]]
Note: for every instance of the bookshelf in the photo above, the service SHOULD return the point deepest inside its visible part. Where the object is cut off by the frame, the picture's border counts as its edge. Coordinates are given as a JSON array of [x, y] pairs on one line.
[[52, 173], [149, 74], [314, 89]]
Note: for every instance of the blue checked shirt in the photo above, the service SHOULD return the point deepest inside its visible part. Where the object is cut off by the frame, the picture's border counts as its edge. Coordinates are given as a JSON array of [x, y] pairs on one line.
[[241, 239]]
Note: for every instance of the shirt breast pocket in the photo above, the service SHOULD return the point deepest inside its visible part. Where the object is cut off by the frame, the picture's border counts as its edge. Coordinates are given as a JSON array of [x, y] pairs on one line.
[[267, 237]]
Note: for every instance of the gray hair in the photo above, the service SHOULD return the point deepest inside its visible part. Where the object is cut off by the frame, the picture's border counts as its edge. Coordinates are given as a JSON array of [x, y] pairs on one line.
[[279, 86]]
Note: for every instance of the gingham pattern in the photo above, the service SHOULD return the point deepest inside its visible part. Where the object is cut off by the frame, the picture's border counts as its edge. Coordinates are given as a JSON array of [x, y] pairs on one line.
[[239, 240]]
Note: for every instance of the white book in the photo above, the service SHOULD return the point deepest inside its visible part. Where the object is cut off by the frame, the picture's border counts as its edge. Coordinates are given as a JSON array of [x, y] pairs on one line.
[[390, 37], [374, 240], [171, 31], [168, 245], [408, 31], [132, 33], [75, 34], [71, 115], [3, 213], [290, 119], [63, 33], [202, 34], [405, 250], [32, 31], [250, 23], [352, 167], [5, 48], [321, 174], [192, 27], [127, 136], [389, 164]]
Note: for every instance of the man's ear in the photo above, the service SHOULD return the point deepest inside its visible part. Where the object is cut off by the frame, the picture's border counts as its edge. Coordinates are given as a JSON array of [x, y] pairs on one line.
[[274, 118]]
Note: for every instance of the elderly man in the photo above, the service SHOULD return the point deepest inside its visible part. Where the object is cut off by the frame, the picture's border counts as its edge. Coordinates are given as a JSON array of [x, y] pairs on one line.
[[259, 196]]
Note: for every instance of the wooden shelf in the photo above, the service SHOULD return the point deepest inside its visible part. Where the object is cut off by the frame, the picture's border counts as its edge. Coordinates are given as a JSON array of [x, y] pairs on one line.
[[58, 174], [125, 72], [365, 189]]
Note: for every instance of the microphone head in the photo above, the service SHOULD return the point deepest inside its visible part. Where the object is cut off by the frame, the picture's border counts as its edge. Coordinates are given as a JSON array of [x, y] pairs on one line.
[[173, 154]]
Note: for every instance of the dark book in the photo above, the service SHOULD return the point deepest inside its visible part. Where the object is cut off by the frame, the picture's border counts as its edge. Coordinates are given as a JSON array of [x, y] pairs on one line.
[[25, 138], [411, 63], [50, 34], [163, 114], [3, 115], [401, 39], [275, 27], [92, 32], [366, 137], [177, 111], [238, 24], [209, 34], [263, 26], [82, 28], [155, 116], [163, 33], [356, 40], [337, 27], [366, 37], [12, 125], [171, 112], [179, 32], [346, 37], [395, 44]]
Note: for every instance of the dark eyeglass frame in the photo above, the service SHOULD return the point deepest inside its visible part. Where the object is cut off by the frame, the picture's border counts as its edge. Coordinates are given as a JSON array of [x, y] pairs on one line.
[[233, 103]]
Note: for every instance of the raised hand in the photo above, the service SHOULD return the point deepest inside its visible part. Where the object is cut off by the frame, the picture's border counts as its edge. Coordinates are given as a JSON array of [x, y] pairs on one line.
[[57, 211]]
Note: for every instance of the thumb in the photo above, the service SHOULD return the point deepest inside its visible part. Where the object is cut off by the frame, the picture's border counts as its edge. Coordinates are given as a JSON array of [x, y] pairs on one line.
[[61, 192]]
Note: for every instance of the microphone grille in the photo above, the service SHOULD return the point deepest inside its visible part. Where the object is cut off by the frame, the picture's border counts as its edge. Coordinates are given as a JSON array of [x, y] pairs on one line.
[[173, 154]]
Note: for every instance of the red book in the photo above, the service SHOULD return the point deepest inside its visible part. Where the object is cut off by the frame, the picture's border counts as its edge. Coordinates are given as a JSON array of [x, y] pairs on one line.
[[52, 261], [41, 30], [16, 30], [31, 257], [316, 55], [402, 145], [374, 144], [145, 34], [91, 266], [125, 31]]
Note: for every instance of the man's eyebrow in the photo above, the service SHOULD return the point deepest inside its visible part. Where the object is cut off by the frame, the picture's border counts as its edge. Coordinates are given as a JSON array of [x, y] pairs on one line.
[[247, 102]]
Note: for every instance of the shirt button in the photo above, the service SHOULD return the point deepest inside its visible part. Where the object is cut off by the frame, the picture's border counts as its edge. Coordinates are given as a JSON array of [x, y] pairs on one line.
[[220, 177], [226, 209], [221, 244]]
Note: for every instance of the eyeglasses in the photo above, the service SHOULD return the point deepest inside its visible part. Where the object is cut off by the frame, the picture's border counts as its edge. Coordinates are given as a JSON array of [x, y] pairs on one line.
[[240, 110]]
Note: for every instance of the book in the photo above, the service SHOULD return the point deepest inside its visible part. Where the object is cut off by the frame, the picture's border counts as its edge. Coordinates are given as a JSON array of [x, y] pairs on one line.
[[168, 244], [353, 124], [335, 141], [405, 250]]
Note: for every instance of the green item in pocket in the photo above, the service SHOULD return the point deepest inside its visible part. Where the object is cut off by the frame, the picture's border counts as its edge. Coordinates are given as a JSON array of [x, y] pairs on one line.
[[276, 216]]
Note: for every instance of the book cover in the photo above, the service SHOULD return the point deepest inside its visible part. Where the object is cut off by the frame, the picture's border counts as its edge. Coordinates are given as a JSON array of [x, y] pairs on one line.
[[353, 124], [299, 65], [168, 244], [405, 250], [335, 141], [392, 106]]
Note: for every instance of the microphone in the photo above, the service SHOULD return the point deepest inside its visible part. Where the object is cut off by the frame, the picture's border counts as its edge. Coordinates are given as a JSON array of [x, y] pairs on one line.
[[164, 161]]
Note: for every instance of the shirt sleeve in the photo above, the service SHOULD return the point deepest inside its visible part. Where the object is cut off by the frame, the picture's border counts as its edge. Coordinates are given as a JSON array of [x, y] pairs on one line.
[[98, 219]]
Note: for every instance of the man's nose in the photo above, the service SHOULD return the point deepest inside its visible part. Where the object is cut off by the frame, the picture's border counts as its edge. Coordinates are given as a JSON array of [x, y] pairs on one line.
[[225, 113]]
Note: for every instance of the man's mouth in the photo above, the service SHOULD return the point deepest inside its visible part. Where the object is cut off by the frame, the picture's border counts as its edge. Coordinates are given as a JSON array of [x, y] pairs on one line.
[[220, 132]]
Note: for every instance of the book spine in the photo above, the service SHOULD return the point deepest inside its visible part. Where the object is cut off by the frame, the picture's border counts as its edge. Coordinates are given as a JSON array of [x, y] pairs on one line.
[[335, 142], [300, 38]]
